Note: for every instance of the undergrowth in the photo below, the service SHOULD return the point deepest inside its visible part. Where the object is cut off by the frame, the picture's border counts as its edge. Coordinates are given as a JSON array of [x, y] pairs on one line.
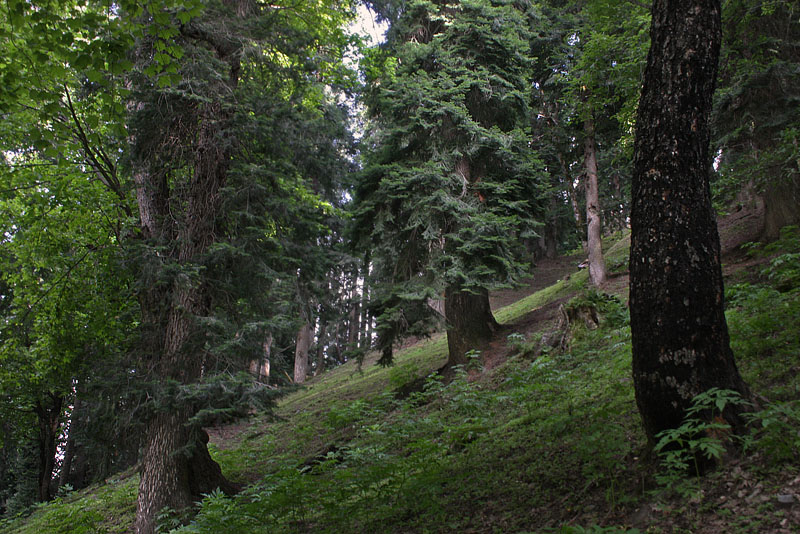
[[548, 442]]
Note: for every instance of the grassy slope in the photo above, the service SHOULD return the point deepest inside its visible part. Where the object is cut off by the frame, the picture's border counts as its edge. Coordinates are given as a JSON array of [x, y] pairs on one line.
[[548, 439]]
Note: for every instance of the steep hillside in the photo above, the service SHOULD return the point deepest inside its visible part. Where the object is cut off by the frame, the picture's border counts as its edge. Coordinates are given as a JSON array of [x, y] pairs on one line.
[[539, 433]]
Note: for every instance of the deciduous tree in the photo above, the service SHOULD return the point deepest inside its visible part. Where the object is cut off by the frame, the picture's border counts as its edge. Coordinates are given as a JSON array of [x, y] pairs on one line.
[[680, 338]]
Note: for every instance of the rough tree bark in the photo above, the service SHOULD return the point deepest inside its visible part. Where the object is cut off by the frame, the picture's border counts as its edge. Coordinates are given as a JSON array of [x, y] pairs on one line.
[[301, 353], [680, 338], [468, 316], [176, 468], [594, 237], [470, 322]]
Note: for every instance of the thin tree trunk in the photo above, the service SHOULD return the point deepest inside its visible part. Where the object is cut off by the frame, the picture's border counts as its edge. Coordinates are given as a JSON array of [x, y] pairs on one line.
[[320, 368], [69, 454], [470, 322], [354, 317], [551, 230], [69, 447], [594, 234], [680, 339], [366, 323], [337, 342], [301, 353], [265, 367], [573, 192]]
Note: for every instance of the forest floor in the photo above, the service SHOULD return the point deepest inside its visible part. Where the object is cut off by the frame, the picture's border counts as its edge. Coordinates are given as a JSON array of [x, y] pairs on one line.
[[740, 497], [539, 434]]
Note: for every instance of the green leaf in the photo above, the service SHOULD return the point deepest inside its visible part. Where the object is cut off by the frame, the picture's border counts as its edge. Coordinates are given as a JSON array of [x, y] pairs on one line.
[[94, 76]]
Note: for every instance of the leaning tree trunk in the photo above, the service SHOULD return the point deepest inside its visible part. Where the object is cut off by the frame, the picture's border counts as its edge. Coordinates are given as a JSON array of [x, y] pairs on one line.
[[594, 236], [680, 339], [470, 322]]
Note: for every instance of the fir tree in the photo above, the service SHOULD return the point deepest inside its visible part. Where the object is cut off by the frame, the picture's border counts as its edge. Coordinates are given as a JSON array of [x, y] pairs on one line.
[[450, 187]]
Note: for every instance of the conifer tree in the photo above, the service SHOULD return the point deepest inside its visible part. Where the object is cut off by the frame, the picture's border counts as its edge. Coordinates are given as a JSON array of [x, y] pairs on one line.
[[193, 154], [756, 122], [450, 187]]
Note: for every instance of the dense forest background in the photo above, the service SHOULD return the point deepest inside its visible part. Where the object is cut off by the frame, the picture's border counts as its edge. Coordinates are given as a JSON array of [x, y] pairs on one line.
[[206, 204]]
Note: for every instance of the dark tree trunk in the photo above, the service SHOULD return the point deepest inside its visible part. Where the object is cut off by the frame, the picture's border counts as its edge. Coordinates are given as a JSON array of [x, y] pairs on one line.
[[165, 471], [353, 323], [176, 468], [680, 338], [178, 213], [48, 417], [470, 323], [594, 234], [782, 197]]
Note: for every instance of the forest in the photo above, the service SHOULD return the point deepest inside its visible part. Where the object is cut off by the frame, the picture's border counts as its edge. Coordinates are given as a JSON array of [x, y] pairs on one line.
[[504, 266]]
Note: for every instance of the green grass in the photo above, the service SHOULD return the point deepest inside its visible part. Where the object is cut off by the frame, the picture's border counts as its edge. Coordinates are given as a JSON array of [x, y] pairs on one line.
[[107, 508], [539, 444]]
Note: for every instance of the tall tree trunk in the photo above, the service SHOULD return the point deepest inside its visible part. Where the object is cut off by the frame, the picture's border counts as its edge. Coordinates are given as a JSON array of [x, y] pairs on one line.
[[176, 467], [301, 353], [48, 415], [594, 237], [680, 338], [267, 356], [470, 322], [366, 322], [337, 344], [354, 316]]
